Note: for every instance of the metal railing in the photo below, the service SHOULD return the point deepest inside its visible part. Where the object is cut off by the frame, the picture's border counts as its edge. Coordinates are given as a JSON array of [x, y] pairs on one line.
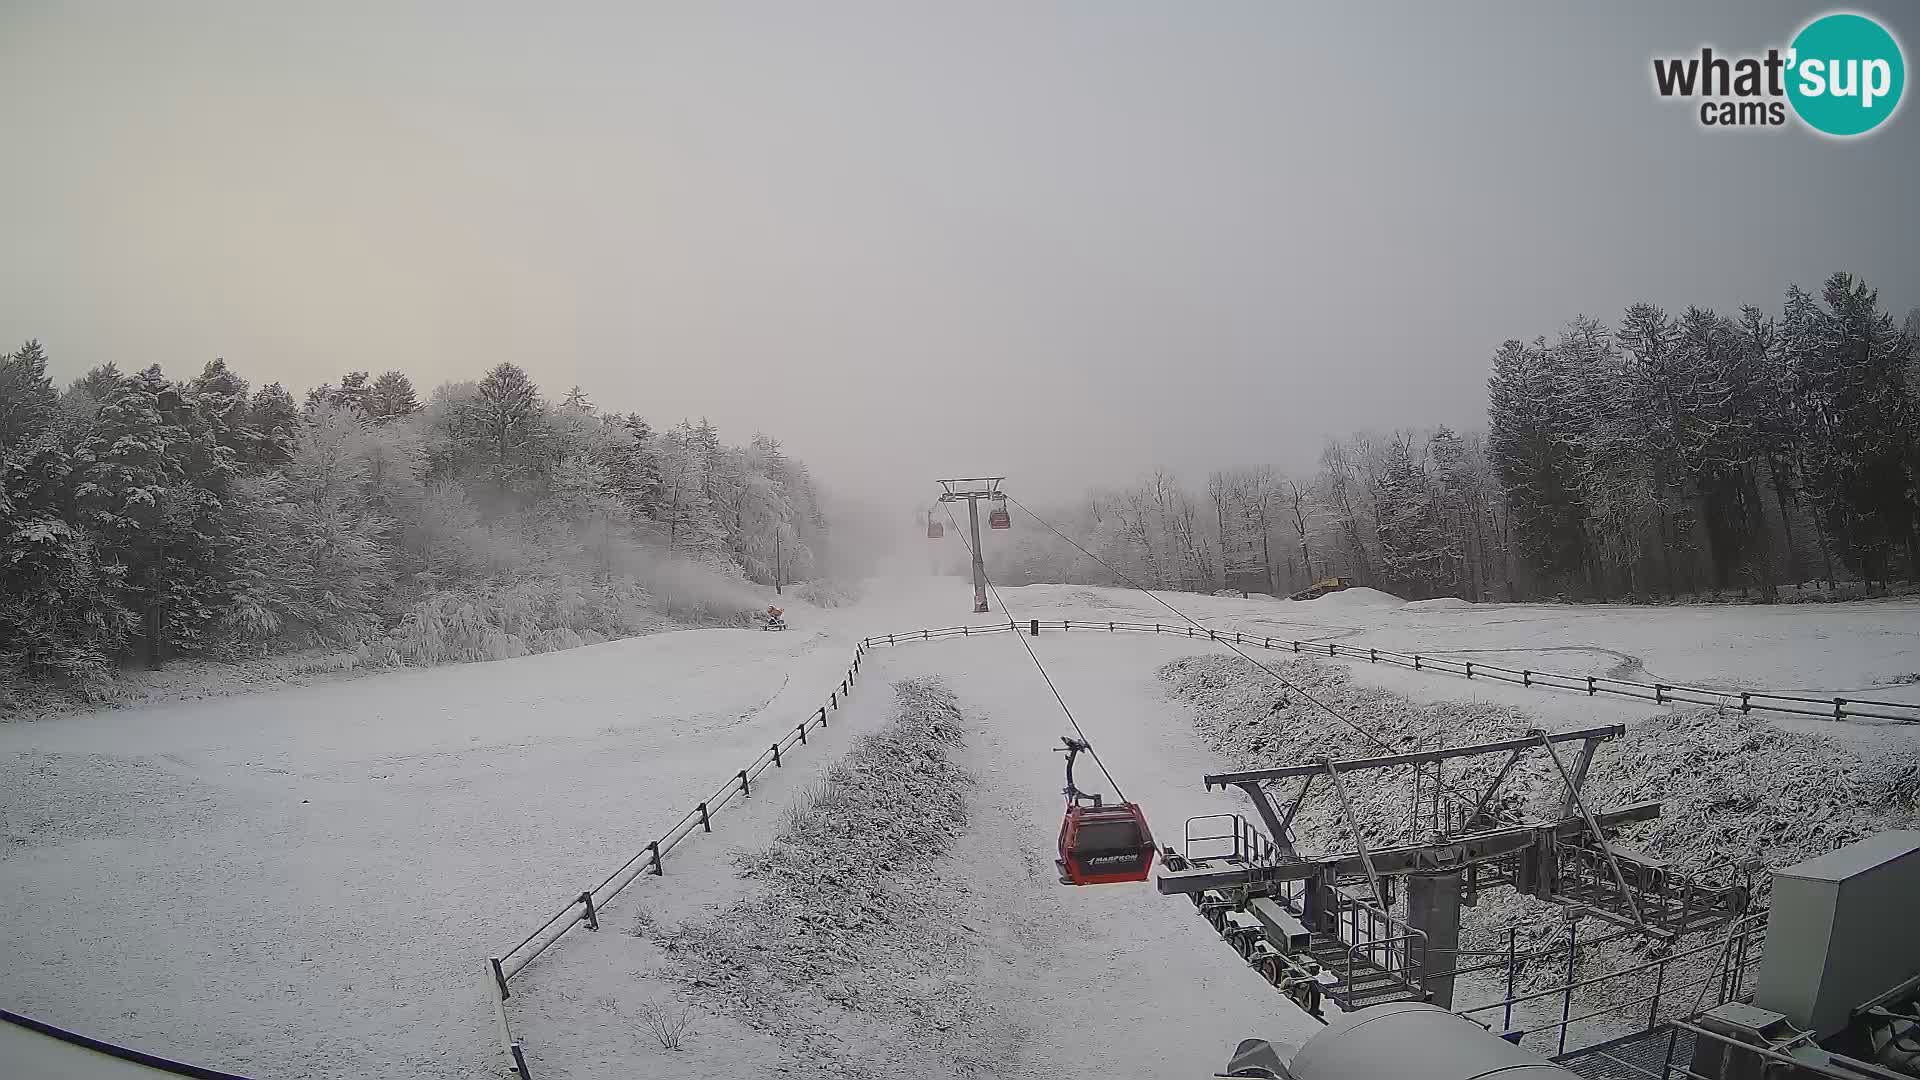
[[1249, 844], [1746, 701], [1372, 938], [1733, 957], [584, 908], [1668, 1053], [1376, 938]]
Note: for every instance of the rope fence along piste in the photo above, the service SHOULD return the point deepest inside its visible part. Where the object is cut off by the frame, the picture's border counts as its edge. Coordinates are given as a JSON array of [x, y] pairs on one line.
[[585, 907], [1746, 701]]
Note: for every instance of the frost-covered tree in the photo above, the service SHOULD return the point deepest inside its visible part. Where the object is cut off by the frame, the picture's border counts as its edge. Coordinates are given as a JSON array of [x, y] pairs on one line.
[[509, 415], [684, 509], [275, 419], [1851, 373], [1342, 490], [99, 383], [391, 397], [149, 490], [1532, 414], [1419, 555], [60, 612], [221, 397], [314, 558]]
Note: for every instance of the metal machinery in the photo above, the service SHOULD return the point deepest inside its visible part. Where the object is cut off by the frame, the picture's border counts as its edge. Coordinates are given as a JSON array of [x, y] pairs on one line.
[[1839, 987], [1321, 926], [1322, 588], [971, 490], [1837, 998]]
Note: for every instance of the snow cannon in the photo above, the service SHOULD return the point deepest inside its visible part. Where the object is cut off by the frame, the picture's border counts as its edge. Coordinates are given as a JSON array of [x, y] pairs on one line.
[[1402, 1039]]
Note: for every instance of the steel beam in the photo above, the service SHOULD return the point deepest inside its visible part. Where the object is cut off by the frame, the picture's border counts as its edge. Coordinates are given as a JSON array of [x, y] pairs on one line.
[[1359, 841], [1276, 826], [1580, 764], [1390, 861], [1573, 794], [1422, 757], [1480, 806]]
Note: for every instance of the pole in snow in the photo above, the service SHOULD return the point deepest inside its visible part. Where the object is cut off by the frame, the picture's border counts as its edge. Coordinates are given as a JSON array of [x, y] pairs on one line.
[[971, 490], [979, 566]]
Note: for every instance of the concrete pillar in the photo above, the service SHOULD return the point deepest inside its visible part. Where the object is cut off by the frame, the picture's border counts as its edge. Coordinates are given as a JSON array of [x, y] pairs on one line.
[[1433, 907]]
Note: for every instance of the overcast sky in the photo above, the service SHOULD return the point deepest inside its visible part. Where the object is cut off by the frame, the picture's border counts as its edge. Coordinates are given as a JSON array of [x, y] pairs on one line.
[[1066, 241]]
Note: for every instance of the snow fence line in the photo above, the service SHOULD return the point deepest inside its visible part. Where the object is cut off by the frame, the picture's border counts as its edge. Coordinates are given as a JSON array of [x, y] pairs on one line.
[[1747, 701], [584, 909]]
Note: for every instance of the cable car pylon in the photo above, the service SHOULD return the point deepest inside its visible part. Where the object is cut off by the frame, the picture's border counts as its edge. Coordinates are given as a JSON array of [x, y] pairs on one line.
[[971, 490]]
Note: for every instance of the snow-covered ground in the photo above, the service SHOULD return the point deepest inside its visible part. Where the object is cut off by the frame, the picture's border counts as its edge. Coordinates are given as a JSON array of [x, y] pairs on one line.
[[303, 883]]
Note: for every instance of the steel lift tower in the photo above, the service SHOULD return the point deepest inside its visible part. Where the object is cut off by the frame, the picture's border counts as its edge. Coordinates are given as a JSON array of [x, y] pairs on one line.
[[971, 490]]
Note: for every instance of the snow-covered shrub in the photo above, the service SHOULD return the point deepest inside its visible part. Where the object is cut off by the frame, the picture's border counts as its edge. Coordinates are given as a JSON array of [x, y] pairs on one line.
[[846, 916], [668, 1027], [492, 622], [827, 592]]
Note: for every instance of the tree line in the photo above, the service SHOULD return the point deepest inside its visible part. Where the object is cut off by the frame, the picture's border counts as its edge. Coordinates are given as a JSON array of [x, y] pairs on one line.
[[1660, 457], [149, 516]]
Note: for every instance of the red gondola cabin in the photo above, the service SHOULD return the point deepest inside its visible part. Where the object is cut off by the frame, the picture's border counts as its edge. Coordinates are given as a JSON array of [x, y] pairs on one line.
[[998, 518], [1105, 845]]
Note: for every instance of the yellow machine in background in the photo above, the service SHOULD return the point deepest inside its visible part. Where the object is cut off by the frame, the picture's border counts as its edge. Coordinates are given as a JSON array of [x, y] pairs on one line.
[[1322, 588]]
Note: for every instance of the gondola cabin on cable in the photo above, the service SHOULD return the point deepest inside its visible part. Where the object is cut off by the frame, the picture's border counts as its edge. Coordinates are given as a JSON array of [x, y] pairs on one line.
[[1101, 844], [997, 518], [934, 529]]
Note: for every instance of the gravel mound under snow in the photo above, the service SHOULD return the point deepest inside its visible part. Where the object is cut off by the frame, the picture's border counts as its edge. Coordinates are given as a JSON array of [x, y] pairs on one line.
[[836, 926]]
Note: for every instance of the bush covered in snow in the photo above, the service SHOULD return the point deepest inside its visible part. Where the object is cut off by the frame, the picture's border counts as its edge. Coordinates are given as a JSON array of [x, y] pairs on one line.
[[498, 622], [1737, 786], [836, 921], [828, 592]]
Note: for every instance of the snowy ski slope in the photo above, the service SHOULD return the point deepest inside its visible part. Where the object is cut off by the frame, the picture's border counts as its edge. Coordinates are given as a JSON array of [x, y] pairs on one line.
[[302, 883]]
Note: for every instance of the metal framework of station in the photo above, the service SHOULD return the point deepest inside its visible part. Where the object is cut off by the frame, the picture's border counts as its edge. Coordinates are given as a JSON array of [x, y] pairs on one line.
[[1322, 926]]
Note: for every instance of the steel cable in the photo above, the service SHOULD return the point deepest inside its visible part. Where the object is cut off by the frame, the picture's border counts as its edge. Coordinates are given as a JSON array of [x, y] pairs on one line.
[[1042, 668]]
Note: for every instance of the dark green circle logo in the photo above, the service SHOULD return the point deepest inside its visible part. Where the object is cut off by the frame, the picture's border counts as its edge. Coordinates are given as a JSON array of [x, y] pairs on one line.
[[1847, 74]]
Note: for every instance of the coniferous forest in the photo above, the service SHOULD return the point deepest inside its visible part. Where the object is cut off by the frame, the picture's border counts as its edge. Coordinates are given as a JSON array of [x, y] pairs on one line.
[[147, 517], [1665, 455]]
